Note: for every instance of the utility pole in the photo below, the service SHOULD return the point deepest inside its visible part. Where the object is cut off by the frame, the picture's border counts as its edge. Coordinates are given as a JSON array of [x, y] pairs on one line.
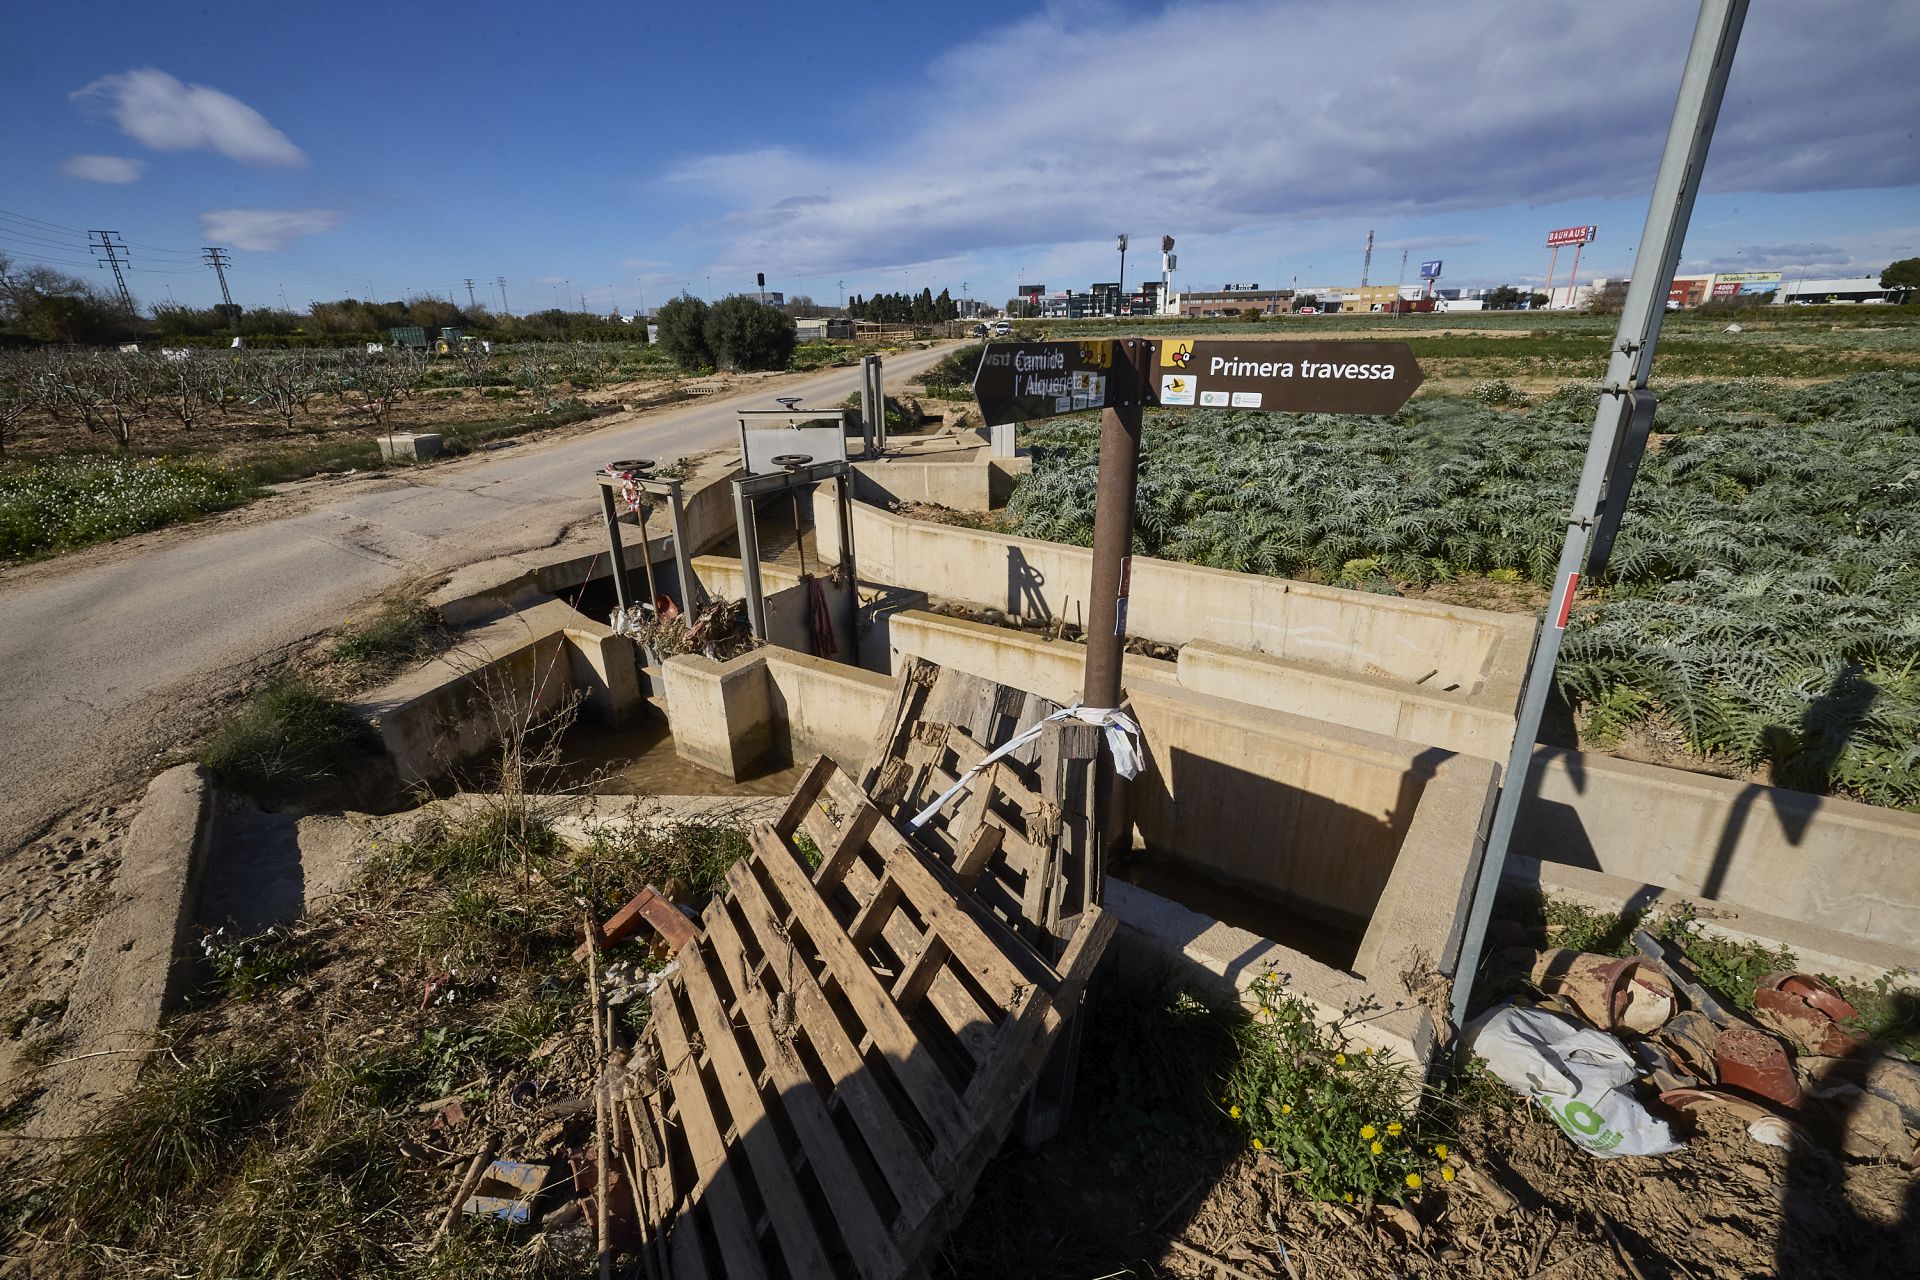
[[1621, 424], [220, 260], [1113, 522], [843, 295], [640, 283], [106, 246], [1366, 263], [1123, 266], [1401, 283], [502, 282], [471, 303]]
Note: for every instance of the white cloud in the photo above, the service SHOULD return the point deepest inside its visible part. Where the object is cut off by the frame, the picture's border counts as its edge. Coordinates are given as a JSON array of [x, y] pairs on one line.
[[163, 113], [114, 169], [1219, 118], [264, 230]]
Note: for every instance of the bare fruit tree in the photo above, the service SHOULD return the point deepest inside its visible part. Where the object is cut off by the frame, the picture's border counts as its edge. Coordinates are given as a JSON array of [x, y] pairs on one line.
[[287, 382]]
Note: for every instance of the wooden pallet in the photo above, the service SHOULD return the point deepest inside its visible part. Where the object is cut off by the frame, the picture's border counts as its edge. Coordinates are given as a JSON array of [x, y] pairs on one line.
[[839, 1054], [1028, 821]]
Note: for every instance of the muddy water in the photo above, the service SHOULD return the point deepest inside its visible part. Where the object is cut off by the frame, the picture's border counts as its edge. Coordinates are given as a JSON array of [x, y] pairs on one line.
[[639, 760]]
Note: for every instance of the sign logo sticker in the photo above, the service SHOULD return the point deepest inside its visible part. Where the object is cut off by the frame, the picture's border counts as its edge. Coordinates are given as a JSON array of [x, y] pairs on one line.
[[1246, 399], [1176, 355], [1218, 398], [1176, 388]]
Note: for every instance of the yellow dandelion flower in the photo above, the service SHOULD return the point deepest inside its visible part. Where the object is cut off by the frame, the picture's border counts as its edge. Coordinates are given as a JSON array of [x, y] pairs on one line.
[[1286, 1108], [1376, 1148], [1393, 1130], [1440, 1149], [1367, 1131], [1339, 1059], [1349, 1197], [1446, 1175], [1413, 1180], [1259, 1145], [1234, 1111]]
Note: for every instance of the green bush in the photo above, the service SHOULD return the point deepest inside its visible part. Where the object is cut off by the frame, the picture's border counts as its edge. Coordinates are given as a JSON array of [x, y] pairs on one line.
[[288, 736], [745, 334], [58, 505], [683, 331]]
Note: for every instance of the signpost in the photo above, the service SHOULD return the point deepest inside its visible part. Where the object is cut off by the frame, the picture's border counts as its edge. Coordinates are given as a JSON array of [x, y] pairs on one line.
[[1028, 381]]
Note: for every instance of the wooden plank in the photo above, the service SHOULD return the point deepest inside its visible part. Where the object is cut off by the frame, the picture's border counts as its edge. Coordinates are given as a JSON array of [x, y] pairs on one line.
[[739, 1242], [646, 907], [854, 1085], [917, 1072], [853, 1208], [970, 936], [913, 684], [1022, 1038], [799, 1243]]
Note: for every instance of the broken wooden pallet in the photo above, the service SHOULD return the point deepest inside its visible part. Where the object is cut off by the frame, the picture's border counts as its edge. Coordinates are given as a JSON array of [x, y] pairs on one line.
[[839, 1054], [1028, 819]]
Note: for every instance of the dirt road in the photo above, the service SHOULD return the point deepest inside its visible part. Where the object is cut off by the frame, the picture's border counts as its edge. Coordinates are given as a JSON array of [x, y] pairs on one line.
[[110, 656]]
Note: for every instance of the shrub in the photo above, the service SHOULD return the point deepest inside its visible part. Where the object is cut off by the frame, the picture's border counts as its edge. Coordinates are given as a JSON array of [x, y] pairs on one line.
[[744, 334], [683, 331]]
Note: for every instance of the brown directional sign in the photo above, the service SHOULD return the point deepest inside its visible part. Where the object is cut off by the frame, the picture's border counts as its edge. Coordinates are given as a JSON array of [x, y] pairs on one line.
[[1283, 377], [1025, 381]]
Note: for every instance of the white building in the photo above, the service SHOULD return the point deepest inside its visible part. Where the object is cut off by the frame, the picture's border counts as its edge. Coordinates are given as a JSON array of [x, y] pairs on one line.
[[1854, 289]]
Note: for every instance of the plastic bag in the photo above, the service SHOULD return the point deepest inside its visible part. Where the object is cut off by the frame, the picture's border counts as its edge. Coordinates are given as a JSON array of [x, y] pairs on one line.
[[1581, 1076]]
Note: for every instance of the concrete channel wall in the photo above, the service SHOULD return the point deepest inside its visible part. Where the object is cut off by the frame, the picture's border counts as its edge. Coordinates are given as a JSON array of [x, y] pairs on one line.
[[1831, 863], [772, 703], [964, 486], [527, 661], [1434, 647]]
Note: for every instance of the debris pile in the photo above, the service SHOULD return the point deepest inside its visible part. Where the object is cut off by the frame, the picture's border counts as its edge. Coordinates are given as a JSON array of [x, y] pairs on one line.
[[1793, 1070], [830, 1053]]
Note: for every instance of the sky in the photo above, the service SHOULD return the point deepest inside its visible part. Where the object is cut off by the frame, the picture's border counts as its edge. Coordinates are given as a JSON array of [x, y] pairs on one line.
[[615, 154]]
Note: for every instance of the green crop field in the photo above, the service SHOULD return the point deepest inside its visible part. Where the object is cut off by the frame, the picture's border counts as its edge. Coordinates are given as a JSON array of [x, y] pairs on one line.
[[1764, 598]]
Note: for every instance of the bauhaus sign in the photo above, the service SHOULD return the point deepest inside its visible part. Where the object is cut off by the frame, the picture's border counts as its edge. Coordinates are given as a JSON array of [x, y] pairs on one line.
[[1571, 235]]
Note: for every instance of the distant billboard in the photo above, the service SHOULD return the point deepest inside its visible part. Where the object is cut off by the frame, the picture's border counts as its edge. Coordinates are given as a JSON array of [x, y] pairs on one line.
[[1239, 288], [1571, 235], [1726, 289], [1430, 270], [1746, 282], [1032, 290]]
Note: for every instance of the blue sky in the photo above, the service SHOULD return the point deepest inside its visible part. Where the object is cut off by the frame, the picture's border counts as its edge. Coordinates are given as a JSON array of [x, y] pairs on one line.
[[611, 148]]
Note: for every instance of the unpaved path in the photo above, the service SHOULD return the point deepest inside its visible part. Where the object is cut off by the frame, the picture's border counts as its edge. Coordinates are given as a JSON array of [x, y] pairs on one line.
[[110, 656]]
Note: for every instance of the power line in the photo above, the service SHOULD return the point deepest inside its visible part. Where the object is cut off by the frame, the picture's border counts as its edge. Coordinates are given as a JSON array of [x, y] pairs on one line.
[[105, 245], [219, 259], [502, 282]]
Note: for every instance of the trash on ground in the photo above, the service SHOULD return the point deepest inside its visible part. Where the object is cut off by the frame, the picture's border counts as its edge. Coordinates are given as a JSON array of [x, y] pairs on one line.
[[1582, 1077]]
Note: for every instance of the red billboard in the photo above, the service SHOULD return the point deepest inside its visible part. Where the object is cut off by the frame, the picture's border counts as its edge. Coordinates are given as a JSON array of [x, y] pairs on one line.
[[1570, 235]]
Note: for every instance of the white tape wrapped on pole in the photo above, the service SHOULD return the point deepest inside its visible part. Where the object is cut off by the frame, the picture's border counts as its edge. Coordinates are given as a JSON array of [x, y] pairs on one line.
[[1123, 740]]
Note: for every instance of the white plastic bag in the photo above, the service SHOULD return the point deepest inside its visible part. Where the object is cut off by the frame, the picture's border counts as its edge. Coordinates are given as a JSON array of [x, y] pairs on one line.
[[1581, 1076]]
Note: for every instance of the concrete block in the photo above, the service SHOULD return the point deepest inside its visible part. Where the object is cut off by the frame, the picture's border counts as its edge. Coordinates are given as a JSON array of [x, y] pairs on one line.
[[410, 446], [1018, 659], [721, 712], [141, 951]]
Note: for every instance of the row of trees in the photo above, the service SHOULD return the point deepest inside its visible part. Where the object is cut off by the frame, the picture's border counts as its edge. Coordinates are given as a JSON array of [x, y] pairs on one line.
[[734, 333], [904, 308], [110, 393], [42, 305]]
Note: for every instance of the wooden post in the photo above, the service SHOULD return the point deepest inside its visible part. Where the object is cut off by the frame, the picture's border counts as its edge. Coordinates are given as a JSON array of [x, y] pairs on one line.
[[1113, 527]]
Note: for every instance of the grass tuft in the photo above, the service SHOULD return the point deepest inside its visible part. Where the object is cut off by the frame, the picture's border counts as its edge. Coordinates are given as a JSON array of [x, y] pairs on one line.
[[287, 737]]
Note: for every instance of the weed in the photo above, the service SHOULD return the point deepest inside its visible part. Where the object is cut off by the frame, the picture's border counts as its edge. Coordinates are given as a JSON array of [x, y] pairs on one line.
[[288, 736], [687, 860], [162, 1146], [460, 851], [1333, 1114], [243, 968], [477, 925], [402, 630], [1725, 967]]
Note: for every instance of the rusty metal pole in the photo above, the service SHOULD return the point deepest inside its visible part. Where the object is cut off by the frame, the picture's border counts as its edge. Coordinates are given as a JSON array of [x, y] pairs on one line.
[[1113, 526]]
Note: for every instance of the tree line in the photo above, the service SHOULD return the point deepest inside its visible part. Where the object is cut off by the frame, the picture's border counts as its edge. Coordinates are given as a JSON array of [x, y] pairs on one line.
[[39, 305], [904, 308]]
